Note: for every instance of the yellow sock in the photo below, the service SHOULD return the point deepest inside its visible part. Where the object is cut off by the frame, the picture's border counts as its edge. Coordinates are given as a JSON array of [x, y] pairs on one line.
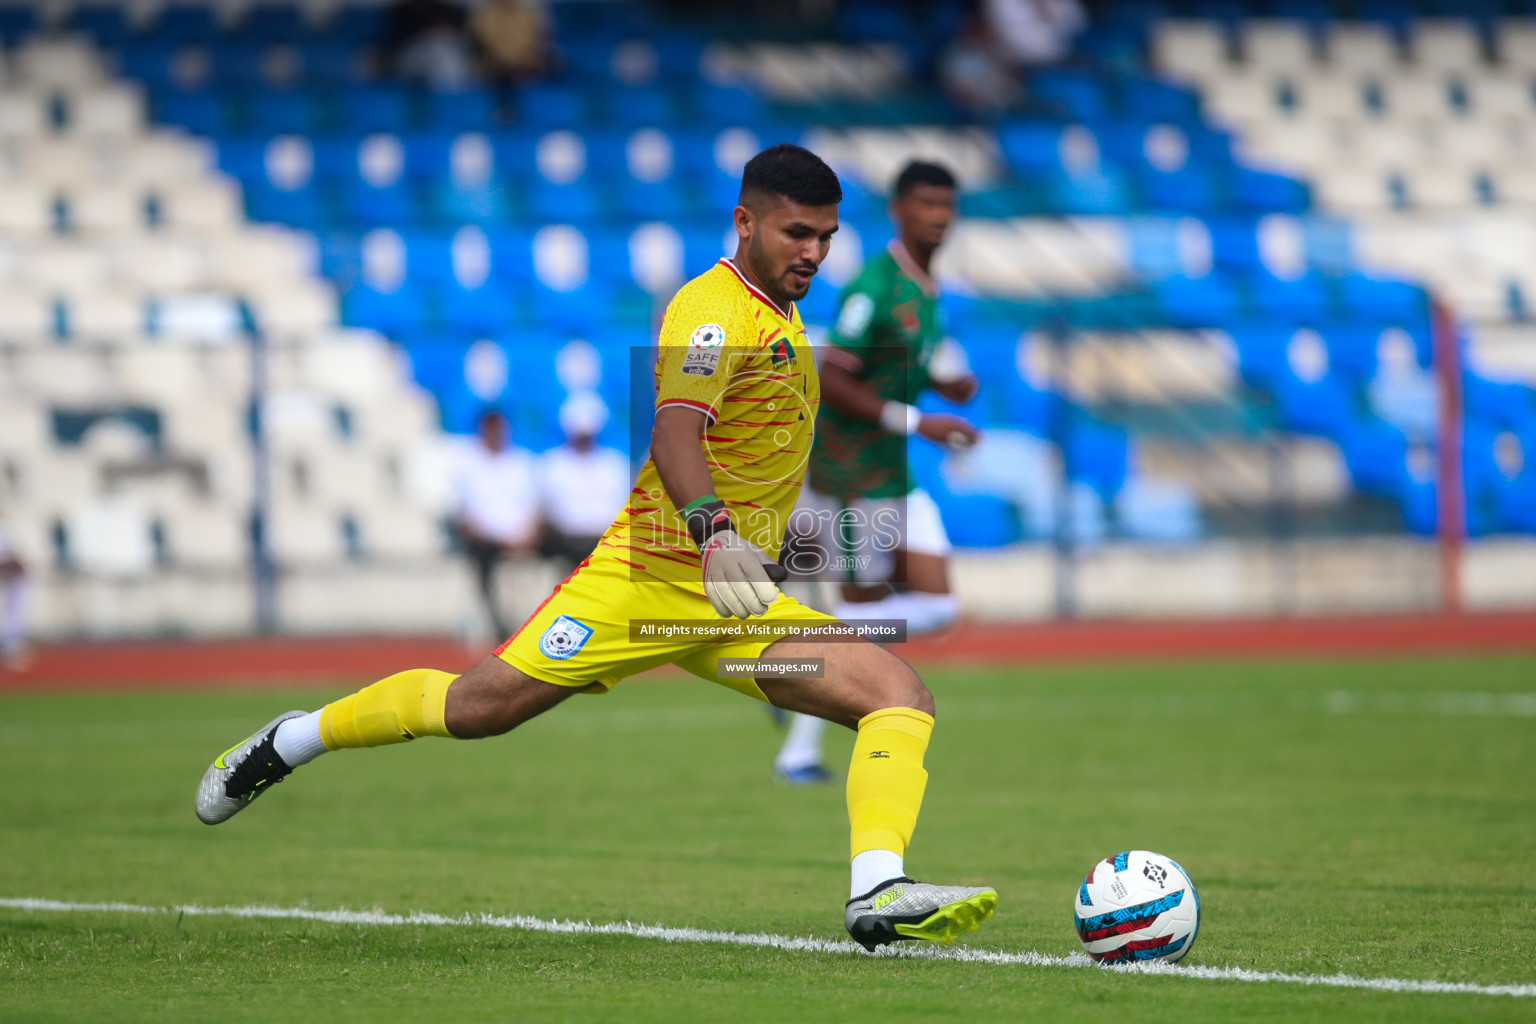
[[393, 710], [886, 779]]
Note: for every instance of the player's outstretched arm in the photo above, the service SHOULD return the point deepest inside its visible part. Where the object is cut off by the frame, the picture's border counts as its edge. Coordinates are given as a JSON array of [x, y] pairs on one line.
[[739, 579], [853, 397]]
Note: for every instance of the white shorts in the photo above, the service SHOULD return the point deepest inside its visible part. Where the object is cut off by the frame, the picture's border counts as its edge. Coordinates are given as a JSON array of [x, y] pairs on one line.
[[858, 538]]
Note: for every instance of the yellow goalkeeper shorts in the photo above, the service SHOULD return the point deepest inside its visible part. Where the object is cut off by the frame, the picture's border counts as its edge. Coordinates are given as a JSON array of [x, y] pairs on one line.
[[582, 634]]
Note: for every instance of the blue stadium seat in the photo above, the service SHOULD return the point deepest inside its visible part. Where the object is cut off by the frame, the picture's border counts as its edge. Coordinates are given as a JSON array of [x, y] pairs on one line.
[[642, 106], [373, 108], [428, 256], [726, 105], [511, 254], [574, 202], [1079, 95], [336, 158], [467, 110], [1032, 148], [151, 61], [186, 23], [273, 22], [1517, 498], [1097, 455], [1352, 351], [331, 60], [275, 111], [1304, 300], [484, 205], [1209, 301], [571, 310], [1323, 408], [107, 24], [483, 310], [978, 520], [301, 207], [1381, 300], [17, 23], [1262, 190], [363, 22], [550, 106], [368, 204], [1150, 101], [1104, 191], [1235, 244], [1506, 404], [1197, 188], [201, 113], [1261, 353], [238, 62], [1376, 455], [391, 313]]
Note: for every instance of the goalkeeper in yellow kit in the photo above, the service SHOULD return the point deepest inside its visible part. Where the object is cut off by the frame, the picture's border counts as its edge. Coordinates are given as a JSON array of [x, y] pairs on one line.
[[737, 396]]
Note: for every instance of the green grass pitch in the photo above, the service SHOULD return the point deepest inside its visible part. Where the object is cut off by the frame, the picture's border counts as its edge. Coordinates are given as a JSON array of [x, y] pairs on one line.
[[1374, 818]]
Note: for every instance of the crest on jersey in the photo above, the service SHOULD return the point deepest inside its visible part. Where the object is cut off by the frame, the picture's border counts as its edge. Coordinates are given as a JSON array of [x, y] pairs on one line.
[[704, 347], [564, 637], [783, 352]]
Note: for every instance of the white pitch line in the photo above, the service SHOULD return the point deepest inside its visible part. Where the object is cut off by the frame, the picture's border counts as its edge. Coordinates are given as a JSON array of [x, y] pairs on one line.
[[964, 954]]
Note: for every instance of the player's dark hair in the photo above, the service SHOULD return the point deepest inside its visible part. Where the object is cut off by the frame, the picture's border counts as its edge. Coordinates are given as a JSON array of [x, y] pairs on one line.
[[920, 172], [791, 172], [489, 413]]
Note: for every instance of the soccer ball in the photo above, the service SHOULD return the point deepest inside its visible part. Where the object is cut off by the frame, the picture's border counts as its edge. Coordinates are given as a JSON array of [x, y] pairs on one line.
[[1136, 906]]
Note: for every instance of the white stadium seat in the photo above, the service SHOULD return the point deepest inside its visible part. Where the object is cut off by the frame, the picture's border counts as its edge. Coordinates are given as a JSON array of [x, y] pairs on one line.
[[1354, 188], [1501, 95], [1192, 50], [106, 208], [23, 113], [26, 316], [101, 314], [57, 63], [1330, 94], [110, 537], [1244, 97], [1446, 46], [198, 317], [25, 209], [1415, 96], [212, 203], [60, 265], [112, 111], [1282, 46], [207, 535], [1362, 47], [1516, 39], [1431, 186]]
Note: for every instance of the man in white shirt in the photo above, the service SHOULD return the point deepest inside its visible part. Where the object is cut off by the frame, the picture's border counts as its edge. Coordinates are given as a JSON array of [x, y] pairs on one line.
[[496, 489], [582, 484]]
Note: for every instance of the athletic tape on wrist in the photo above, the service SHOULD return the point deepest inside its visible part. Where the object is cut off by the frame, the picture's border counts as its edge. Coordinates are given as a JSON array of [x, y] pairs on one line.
[[900, 418]]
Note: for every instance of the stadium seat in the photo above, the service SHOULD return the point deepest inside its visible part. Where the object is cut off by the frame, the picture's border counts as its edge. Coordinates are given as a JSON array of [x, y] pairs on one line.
[[391, 313]]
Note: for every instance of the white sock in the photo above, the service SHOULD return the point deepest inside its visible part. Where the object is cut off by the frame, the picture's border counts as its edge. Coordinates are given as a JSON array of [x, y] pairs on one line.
[[872, 867], [298, 740], [802, 744]]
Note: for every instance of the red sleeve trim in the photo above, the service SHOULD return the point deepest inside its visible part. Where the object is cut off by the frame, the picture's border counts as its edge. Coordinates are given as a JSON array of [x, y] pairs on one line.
[[688, 403]]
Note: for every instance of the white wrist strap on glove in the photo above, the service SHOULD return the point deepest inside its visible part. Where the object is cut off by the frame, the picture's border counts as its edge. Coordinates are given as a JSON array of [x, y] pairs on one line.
[[900, 418]]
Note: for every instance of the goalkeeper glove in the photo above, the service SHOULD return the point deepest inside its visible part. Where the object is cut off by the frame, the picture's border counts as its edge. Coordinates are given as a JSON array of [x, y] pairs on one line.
[[739, 579]]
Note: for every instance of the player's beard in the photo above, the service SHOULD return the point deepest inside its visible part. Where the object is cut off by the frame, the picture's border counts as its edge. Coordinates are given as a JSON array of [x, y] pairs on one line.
[[771, 276]]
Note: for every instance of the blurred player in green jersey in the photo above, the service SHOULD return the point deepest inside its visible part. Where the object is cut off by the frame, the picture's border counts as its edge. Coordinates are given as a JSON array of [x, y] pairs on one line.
[[880, 534]]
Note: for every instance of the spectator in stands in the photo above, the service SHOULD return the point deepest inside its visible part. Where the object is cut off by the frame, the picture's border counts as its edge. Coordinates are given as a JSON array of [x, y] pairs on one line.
[[425, 43], [496, 492], [973, 73], [511, 39], [13, 605], [582, 483], [1034, 32]]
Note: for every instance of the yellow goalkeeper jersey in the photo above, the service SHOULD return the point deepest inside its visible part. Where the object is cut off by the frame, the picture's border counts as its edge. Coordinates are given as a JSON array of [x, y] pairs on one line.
[[728, 351]]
